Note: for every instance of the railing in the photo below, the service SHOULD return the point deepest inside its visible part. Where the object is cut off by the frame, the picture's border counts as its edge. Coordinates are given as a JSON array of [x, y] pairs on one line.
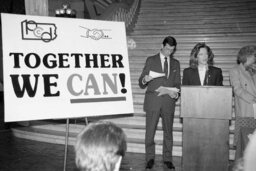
[[122, 12]]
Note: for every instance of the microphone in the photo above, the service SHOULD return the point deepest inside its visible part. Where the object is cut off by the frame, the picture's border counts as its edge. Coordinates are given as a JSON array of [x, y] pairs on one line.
[[207, 75]]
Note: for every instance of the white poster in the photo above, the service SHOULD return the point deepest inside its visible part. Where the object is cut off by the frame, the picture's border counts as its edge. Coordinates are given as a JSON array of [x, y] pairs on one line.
[[64, 68]]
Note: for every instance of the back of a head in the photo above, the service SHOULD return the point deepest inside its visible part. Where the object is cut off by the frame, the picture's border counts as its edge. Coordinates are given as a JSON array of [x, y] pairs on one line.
[[99, 147], [250, 154]]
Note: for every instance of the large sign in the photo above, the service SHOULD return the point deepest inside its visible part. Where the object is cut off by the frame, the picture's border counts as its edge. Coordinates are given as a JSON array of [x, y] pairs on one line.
[[64, 68]]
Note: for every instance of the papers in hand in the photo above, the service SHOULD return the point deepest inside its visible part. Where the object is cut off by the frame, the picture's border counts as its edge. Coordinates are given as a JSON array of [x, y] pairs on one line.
[[167, 90], [156, 74]]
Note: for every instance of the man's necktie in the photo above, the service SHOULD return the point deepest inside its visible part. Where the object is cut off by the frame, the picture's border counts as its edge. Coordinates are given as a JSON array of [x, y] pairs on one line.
[[165, 67]]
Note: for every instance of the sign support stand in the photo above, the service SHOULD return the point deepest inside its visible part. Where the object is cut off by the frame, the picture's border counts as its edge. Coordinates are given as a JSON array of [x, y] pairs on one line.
[[86, 121], [66, 145], [66, 141]]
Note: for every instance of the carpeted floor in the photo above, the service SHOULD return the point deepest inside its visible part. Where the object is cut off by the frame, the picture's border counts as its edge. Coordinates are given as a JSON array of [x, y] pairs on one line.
[[18, 154]]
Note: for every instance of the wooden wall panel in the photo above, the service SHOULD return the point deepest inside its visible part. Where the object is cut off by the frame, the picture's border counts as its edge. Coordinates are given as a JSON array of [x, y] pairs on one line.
[[36, 7], [205, 145]]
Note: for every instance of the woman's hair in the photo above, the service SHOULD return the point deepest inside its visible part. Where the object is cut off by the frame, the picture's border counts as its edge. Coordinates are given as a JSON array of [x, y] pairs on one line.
[[245, 52], [99, 146], [194, 53]]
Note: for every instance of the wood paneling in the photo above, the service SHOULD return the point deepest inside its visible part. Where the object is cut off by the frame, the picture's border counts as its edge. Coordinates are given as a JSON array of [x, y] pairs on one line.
[[36, 7], [214, 102], [205, 145]]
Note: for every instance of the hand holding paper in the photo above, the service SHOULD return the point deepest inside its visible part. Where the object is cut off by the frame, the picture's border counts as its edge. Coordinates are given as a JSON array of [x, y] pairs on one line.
[[148, 78], [171, 91], [154, 74]]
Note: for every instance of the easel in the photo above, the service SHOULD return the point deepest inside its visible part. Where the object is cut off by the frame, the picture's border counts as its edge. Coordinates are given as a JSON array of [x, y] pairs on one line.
[[66, 141]]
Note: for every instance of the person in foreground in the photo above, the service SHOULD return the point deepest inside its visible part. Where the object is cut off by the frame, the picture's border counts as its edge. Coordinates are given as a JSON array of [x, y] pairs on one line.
[[248, 161], [250, 154], [100, 147], [243, 81], [201, 70], [161, 76]]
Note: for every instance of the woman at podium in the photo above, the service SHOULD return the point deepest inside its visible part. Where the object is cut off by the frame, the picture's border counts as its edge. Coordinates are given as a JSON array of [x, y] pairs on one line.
[[201, 70], [243, 81]]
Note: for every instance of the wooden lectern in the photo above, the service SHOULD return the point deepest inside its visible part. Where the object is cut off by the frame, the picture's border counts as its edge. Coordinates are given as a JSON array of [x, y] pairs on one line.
[[206, 111]]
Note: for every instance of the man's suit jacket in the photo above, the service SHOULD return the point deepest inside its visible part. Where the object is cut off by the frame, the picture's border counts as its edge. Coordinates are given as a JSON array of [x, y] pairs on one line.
[[213, 76], [244, 90], [152, 102]]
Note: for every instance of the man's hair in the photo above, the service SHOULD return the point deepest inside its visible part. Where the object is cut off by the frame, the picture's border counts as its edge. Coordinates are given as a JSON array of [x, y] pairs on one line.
[[194, 53], [170, 41], [99, 146], [245, 52]]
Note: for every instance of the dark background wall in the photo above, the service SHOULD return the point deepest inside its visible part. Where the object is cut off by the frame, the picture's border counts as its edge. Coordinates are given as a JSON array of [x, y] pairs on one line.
[[14, 7], [78, 5]]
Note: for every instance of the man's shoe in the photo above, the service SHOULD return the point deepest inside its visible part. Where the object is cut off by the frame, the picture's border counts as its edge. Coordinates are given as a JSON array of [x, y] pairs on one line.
[[150, 164], [169, 165]]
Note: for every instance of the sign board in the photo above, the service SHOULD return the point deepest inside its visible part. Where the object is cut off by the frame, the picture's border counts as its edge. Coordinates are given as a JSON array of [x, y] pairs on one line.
[[64, 68]]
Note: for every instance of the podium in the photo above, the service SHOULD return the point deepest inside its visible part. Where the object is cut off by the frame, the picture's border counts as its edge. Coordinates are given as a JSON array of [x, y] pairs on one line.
[[206, 111]]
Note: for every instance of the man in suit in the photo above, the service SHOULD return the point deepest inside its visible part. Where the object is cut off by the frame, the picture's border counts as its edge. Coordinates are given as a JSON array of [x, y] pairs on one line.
[[160, 102], [201, 70]]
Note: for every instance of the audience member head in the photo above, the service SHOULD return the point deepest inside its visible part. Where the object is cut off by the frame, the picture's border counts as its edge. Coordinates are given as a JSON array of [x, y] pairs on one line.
[[169, 46], [197, 55], [100, 147]]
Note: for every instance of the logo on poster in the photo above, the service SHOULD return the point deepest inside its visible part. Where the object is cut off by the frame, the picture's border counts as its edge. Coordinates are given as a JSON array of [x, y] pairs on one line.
[[32, 30], [95, 34]]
